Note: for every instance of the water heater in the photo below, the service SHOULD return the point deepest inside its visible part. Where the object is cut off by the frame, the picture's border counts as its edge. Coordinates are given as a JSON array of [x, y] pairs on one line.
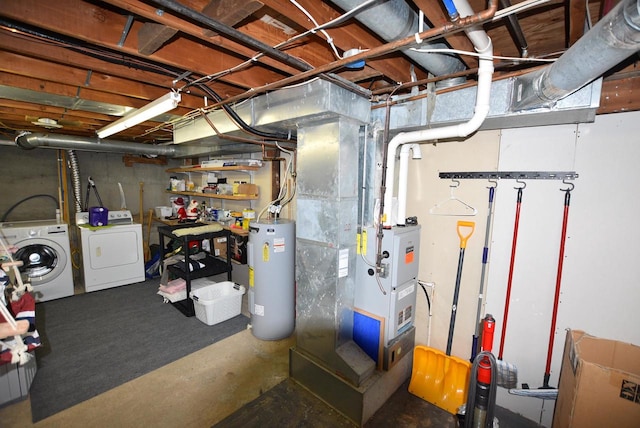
[[271, 261]]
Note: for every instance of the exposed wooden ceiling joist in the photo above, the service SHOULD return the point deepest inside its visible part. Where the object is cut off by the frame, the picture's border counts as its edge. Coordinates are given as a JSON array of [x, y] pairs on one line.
[[125, 53]]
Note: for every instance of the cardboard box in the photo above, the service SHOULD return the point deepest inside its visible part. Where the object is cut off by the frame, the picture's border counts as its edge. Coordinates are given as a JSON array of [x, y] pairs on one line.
[[247, 189], [599, 383], [220, 247]]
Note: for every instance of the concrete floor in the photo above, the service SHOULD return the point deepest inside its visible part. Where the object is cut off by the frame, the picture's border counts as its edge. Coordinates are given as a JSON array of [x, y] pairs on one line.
[[227, 383], [237, 382], [197, 391]]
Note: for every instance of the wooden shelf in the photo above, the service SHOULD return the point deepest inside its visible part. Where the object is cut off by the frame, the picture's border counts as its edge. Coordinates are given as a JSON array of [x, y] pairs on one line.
[[215, 196], [214, 168]]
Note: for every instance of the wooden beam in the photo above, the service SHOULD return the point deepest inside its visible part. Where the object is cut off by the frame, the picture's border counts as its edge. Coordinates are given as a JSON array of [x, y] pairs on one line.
[[346, 36], [229, 12], [620, 95], [79, 92], [152, 36], [225, 47], [103, 27], [22, 110], [83, 78], [57, 54], [577, 15], [434, 12]]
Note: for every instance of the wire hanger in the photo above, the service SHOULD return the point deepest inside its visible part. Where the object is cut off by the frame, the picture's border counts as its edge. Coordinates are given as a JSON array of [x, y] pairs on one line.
[[453, 206]]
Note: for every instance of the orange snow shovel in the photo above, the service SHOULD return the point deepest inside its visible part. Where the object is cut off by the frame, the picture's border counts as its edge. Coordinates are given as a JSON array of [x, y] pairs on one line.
[[436, 377]]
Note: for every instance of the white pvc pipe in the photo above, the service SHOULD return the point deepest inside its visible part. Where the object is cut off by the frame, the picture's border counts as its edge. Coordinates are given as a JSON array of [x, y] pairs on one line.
[[483, 45], [403, 176]]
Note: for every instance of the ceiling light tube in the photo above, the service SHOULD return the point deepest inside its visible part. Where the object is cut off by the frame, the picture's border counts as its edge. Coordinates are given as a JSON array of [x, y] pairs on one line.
[[161, 105]]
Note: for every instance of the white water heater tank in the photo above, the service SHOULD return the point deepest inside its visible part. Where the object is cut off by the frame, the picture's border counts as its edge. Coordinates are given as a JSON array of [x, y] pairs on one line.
[[271, 261]]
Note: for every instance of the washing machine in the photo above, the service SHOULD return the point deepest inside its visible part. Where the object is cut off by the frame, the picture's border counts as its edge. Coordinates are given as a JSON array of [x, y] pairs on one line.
[[112, 255], [43, 247]]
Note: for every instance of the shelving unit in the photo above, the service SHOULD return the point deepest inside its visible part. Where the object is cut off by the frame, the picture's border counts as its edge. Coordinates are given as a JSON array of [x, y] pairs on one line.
[[213, 265], [204, 170], [237, 238], [213, 169], [215, 195]]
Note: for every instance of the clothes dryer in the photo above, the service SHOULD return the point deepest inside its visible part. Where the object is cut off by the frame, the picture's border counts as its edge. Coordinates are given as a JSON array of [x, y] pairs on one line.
[[112, 255], [43, 247]]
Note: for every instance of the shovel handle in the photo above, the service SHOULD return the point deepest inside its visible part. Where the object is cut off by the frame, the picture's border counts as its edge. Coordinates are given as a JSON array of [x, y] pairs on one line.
[[465, 225]]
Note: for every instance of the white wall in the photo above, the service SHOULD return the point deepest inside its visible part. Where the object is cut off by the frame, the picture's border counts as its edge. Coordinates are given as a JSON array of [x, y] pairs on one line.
[[30, 172], [599, 282], [440, 245], [535, 266]]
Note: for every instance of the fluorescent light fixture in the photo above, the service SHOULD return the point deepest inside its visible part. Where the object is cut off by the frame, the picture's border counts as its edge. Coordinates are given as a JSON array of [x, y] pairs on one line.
[[156, 108]]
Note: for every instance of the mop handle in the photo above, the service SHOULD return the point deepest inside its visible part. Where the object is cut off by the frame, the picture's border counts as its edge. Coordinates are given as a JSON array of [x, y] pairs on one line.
[[485, 258], [513, 257], [556, 299]]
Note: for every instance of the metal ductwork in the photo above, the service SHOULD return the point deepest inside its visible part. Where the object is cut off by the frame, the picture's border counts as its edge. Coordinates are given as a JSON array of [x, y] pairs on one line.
[[393, 20], [68, 142], [612, 40]]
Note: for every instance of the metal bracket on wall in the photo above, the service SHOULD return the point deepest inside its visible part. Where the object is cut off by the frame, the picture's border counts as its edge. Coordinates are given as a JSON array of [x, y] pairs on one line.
[[511, 175]]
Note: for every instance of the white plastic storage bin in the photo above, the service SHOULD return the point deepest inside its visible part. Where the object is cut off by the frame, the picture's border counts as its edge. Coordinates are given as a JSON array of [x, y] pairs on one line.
[[217, 302]]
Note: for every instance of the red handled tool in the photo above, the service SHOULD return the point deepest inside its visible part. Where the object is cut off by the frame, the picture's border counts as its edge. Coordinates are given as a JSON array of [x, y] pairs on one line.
[[511, 264], [481, 398], [556, 299]]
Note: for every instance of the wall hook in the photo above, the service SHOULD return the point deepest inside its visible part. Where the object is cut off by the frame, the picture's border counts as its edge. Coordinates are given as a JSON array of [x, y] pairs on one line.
[[568, 183]]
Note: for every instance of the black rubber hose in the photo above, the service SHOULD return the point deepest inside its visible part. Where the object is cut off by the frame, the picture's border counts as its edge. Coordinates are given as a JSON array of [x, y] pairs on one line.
[[6, 214], [426, 294], [241, 123]]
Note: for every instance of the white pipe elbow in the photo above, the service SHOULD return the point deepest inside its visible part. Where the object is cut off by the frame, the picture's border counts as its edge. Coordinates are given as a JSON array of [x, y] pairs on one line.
[[483, 45], [403, 178]]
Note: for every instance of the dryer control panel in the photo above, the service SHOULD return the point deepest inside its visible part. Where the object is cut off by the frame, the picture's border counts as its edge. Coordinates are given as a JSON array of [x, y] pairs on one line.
[[114, 217]]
